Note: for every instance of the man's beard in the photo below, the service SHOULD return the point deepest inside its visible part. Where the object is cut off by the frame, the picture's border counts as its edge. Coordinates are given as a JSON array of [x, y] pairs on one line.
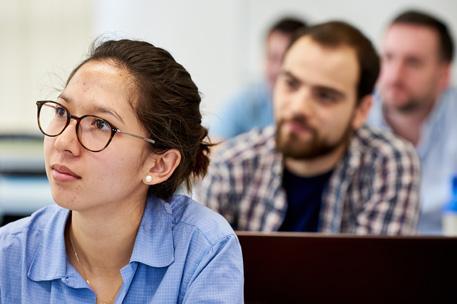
[[316, 147], [410, 105]]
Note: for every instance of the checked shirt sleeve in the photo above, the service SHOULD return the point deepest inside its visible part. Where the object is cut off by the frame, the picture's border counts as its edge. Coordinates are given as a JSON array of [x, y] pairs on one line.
[[392, 206], [215, 192]]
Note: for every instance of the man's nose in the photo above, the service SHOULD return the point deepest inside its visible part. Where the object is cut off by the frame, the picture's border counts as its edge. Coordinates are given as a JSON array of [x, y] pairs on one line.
[[393, 71], [302, 102]]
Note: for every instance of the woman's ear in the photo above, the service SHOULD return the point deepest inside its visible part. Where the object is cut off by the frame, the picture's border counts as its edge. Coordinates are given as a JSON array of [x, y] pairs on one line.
[[159, 167], [361, 112]]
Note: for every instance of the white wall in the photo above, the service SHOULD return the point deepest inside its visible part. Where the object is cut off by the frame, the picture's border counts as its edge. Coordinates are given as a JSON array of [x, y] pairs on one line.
[[207, 37], [219, 42], [370, 16], [40, 42]]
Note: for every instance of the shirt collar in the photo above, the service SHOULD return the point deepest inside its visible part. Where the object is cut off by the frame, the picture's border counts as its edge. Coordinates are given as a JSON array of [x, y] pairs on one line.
[[377, 114], [334, 196], [50, 259], [431, 126], [154, 241], [153, 245]]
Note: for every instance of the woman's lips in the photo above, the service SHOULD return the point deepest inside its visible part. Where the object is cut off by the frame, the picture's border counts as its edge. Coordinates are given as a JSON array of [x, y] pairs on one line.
[[62, 173]]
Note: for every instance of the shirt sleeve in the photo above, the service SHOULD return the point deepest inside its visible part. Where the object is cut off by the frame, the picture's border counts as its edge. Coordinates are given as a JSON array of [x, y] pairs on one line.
[[227, 122], [392, 207], [215, 192], [218, 277]]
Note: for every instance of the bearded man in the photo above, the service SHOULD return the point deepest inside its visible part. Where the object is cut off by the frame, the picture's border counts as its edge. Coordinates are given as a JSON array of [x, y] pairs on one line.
[[319, 169]]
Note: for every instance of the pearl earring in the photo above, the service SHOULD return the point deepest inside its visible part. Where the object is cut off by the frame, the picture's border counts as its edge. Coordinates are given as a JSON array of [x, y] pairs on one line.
[[147, 179]]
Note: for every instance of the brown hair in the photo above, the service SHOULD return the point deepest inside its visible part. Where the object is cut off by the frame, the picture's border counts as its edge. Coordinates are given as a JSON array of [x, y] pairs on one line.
[[419, 18], [338, 33], [287, 26], [167, 105]]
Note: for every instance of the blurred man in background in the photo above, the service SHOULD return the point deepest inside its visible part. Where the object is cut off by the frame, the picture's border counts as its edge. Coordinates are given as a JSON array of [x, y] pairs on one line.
[[318, 168], [252, 107], [414, 100]]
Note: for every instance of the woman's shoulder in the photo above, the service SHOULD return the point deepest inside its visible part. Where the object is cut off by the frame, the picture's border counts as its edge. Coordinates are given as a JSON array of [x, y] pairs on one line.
[[16, 234], [20, 244], [193, 215]]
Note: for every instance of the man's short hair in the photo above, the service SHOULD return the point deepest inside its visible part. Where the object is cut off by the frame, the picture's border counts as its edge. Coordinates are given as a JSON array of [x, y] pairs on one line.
[[287, 26], [335, 34], [416, 17]]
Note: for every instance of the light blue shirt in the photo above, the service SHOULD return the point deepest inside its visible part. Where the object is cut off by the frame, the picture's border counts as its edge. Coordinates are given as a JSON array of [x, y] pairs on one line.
[[251, 108], [183, 253], [437, 150]]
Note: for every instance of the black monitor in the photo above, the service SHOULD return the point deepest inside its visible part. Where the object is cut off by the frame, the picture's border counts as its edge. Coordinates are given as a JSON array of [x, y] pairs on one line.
[[319, 268], [23, 184]]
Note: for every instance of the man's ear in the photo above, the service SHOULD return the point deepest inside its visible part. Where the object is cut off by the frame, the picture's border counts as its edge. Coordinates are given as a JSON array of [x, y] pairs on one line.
[[361, 112], [161, 166], [445, 76]]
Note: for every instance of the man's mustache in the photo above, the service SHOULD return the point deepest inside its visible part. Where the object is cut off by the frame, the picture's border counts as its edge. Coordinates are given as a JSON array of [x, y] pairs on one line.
[[299, 119], [396, 85]]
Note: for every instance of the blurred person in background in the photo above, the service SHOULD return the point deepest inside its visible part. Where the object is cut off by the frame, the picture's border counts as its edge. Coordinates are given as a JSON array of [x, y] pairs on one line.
[[319, 168], [252, 107], [415, 101]]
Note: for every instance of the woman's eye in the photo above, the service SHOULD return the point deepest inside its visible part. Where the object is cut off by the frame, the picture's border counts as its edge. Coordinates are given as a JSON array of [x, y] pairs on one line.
[[101, 124], [61, 112]]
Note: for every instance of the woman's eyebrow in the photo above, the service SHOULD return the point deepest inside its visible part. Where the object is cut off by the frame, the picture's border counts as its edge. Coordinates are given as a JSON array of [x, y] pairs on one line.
[[96, 108], [104, 110]]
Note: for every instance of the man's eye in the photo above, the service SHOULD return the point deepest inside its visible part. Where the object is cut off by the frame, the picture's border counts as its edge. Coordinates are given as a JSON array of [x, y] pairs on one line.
[[386, 57], [291, 83], [414, 62], [325, 96]]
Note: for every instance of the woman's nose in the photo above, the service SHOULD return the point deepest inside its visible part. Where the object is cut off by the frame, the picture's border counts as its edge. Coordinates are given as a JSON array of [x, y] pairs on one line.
[[67, 140]]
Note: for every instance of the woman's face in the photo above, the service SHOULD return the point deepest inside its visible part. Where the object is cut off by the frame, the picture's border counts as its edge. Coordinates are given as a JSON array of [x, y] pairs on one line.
[[81, 179]]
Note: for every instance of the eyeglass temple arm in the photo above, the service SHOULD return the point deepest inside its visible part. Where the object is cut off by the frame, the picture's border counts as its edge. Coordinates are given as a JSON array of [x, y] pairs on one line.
[[137, 136]]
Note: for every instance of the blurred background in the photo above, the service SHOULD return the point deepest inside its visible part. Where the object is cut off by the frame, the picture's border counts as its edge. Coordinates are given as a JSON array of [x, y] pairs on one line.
[[221, 43]]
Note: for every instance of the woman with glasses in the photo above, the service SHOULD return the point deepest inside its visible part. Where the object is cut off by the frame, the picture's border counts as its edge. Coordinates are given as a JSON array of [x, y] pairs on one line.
[[123, 134]]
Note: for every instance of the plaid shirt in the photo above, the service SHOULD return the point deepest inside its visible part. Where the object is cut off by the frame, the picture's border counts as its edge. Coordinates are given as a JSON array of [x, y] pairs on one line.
[[373, 189]]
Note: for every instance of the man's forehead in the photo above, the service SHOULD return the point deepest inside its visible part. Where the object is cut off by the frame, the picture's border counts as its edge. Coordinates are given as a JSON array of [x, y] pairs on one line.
[[314, 48], [306, 51], [411, 37], [314, 63]]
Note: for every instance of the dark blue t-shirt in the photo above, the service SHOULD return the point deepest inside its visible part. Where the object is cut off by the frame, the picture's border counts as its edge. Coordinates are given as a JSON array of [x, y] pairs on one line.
[[304, 198]]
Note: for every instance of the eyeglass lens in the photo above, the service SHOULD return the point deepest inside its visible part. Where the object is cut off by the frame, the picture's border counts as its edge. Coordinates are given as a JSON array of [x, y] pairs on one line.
[[94, 133]]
